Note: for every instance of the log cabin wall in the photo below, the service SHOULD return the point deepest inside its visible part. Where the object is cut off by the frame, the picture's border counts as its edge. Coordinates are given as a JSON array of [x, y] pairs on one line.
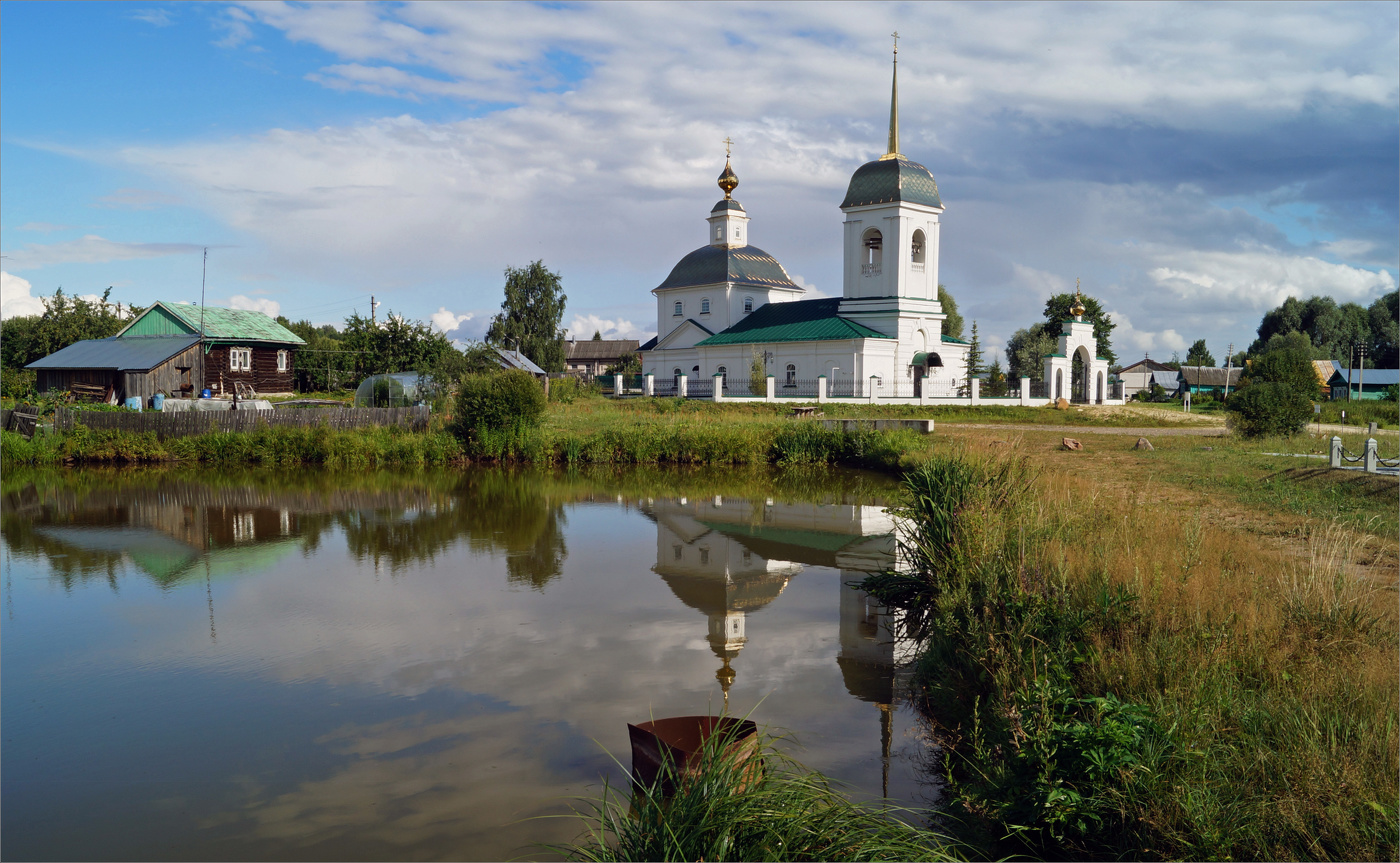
[[174, 377], [263, 376], [62, 380]]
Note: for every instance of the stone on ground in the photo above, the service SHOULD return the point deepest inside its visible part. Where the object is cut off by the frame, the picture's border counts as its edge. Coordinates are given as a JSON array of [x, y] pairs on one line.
[[1143, 443], [1071, 444]]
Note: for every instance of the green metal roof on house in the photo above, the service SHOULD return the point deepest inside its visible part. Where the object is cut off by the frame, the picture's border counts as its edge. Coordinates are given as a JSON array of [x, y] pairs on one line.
[[887, 180], [168, 319], [955, 341], [797, 321], [742, 265]]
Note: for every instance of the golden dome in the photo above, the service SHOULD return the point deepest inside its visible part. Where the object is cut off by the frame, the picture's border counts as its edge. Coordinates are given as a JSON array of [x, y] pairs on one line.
[[728, 180], [1078, 308]]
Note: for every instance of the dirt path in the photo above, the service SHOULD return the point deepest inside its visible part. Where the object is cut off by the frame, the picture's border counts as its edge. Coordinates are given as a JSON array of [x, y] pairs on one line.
[[1070, 431]]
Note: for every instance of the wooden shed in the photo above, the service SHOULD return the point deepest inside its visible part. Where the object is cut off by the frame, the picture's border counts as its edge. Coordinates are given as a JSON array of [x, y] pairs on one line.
[[123, 368]]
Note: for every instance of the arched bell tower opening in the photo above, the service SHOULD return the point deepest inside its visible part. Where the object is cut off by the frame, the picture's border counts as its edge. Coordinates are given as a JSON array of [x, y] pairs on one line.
[[874, 244], [916, 251]]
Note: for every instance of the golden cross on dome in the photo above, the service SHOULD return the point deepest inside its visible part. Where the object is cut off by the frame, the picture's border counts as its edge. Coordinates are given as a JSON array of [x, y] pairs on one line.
[[895, 34], [727, 144]]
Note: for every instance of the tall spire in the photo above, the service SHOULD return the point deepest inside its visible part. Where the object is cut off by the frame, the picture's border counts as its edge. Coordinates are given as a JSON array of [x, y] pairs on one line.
[[893, 152], [728, 181]]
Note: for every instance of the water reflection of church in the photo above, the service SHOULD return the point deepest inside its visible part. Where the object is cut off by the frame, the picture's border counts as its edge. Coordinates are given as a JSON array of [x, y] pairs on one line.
[[727, 558]]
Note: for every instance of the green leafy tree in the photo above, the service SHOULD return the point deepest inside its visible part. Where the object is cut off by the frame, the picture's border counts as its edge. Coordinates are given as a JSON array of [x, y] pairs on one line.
[[1057, 311], [394, 345], [1199, 355], [627, 364], [1026, 350], [953, 324], [65, 320], [1385, 340], [530, 315], [597, 336], [1333, 329], [974, 354], [498, 401], [1277, 394]]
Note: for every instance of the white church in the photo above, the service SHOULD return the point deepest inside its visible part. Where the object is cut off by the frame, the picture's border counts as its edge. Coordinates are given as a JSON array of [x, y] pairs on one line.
[[727, 304], [727, 301]]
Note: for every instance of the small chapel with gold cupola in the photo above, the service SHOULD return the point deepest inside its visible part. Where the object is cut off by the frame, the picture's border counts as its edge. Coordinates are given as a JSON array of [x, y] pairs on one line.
[[729, 307]]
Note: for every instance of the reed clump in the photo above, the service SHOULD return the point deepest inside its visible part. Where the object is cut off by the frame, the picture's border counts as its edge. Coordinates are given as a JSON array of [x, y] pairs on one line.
[[725, 809], [1113, 676]]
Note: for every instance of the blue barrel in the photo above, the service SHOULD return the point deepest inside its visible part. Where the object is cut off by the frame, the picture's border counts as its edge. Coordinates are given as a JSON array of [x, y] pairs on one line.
[[134, 403], [206, 394], [158, 401]]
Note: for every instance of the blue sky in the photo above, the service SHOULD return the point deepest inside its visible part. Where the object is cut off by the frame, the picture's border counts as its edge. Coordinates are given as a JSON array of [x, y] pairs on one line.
[[1192, 164]]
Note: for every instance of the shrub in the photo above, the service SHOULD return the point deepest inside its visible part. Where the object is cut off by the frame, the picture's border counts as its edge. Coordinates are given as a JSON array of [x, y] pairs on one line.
[[510, 401], [17, 384], [1277, 398], [1269, 408]]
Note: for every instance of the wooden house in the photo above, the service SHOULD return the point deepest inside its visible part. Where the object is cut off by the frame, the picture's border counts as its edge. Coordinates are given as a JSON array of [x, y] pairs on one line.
[[588, 359], [178, 349]]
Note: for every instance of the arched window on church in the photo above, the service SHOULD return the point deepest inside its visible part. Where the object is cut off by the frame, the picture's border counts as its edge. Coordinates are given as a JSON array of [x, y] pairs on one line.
[[916, 252], [723, 377], [874, 246], [678, 312], [748, 305], [705, 306], [676, 380], [791, 376]]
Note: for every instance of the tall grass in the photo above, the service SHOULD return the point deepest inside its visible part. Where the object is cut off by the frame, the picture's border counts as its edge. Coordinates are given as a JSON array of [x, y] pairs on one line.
[[355, 448], [1112, 676], [727, 810]]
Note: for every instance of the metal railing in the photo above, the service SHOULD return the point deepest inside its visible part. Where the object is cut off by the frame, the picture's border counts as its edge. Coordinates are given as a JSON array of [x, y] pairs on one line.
[[798, 389]]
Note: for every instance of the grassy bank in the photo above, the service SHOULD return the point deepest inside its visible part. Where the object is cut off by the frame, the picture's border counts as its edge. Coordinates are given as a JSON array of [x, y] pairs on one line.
[[1113, 675], [767, 807]]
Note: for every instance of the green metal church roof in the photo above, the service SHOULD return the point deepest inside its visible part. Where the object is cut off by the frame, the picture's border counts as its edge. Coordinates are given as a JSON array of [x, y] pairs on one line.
[[171, 319], [797, 321], [742, 265], [881, 182]]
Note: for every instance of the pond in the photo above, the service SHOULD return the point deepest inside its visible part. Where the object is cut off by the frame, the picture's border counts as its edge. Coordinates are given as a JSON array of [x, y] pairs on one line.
[[306, 665]]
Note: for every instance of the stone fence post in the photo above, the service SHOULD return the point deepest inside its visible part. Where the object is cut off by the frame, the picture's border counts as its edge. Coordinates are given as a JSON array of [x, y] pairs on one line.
[[649, 381], [772, 394], [1025, 392], [821, 388], [1371, 455], [718, 394], [873, 387], [619, 387], [680, 389], [1336, 451], [974, 389]]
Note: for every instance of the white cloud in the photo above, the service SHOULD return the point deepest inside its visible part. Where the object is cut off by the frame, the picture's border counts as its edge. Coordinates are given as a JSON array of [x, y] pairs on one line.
[[135, 199], [583, 327], [92, 249], [1125, 335], [234, 24], [813, 292], [1262, 278], [446, 321], [271, 308], [154, 17], [15, 297]]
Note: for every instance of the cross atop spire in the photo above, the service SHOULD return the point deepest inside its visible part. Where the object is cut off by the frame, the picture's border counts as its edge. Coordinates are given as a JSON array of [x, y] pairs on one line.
[[727, 144], [893, 149]]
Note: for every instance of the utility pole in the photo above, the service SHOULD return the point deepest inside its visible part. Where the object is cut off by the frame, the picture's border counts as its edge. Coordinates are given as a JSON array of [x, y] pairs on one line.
[[1229, 364], [1361, 369], [373, 318], [1351, 361]]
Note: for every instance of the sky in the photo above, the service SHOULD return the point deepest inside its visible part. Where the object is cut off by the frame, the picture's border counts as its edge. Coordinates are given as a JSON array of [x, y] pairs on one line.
[[1191, 164]]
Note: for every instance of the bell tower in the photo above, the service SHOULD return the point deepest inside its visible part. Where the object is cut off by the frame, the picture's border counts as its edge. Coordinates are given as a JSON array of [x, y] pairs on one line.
[[729, 224], [890, 247]]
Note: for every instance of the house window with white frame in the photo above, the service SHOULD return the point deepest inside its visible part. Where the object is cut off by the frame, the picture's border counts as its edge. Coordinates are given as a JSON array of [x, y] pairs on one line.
[[240, 359], [283, 360], [791, 376]]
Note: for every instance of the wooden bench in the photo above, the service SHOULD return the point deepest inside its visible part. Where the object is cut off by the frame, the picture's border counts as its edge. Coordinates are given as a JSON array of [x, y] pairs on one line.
[[806, 412]]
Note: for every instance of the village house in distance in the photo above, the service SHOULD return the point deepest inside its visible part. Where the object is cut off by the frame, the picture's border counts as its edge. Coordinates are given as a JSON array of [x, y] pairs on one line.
[[180, 350]]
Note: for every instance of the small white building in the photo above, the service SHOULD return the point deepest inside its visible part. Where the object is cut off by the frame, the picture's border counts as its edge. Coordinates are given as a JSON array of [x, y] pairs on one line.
[[728, 303]]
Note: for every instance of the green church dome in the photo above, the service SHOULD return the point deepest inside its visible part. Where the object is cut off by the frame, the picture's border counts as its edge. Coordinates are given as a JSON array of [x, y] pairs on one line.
[[887, 180]]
